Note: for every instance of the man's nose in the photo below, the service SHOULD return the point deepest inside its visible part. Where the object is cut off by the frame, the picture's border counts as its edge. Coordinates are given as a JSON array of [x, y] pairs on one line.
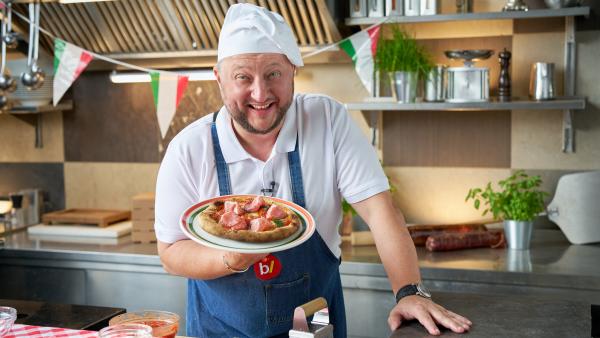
[[260, 90]]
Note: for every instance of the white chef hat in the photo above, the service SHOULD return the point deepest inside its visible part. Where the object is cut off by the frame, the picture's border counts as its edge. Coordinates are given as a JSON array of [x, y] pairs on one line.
[[252, 29]]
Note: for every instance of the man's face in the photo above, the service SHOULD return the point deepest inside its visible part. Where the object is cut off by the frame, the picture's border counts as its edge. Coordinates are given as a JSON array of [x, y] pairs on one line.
[[257, 89]]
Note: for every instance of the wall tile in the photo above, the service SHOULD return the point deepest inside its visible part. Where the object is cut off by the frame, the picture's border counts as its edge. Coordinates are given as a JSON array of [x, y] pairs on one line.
[[45, 176], [437, 195], [117, 122], [17, 139], [537, 136], [447, 139], [107, 185]]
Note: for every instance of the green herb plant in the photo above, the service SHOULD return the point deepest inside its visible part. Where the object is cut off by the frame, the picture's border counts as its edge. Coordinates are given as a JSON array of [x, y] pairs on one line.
[[402, 53], [519, 198]]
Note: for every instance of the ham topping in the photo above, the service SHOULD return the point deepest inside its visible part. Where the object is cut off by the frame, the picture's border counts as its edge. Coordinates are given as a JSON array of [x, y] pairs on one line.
[[253, 206], [261, 224], [275, 212], [233, 221], [233, 206]]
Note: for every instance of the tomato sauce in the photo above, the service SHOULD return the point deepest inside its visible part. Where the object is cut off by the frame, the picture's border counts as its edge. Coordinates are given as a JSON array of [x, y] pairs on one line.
[[161, 328]]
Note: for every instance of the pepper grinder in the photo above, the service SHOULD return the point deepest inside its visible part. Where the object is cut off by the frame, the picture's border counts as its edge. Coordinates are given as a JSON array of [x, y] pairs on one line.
[[504, 78]]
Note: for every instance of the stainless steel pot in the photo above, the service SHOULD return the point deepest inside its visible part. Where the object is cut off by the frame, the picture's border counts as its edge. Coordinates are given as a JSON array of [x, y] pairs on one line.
[[468, 84]]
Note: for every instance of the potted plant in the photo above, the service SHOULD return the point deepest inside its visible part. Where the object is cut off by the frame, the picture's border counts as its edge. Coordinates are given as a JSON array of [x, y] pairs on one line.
[[404, 60], [518, 202]]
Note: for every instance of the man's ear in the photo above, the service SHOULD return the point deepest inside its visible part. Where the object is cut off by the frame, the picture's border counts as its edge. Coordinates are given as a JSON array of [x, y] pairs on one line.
[[217, 75]]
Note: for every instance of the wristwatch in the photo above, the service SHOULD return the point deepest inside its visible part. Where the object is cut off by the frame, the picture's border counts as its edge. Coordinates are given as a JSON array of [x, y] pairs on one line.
[[412, 289]]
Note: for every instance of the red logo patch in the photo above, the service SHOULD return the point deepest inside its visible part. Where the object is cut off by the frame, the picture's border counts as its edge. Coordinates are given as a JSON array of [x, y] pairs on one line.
[[267, 268]]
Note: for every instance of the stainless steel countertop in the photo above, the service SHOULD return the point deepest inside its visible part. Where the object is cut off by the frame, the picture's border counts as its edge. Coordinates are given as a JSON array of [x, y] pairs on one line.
[[551, 261]]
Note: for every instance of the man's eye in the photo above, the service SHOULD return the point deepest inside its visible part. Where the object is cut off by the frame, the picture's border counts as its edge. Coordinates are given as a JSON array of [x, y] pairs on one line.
[[274, 74], [241, 77]]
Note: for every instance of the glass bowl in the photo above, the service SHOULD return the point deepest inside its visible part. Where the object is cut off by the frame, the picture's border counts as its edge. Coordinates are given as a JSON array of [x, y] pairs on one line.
[[164, 324], [8, 315], [126, 331]]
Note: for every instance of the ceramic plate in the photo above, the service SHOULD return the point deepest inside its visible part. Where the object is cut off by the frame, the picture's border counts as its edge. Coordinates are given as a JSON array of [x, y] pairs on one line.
[[191, 227]]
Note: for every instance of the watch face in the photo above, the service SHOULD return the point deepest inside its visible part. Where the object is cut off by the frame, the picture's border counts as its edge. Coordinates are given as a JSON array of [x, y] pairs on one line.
[[423, 291]]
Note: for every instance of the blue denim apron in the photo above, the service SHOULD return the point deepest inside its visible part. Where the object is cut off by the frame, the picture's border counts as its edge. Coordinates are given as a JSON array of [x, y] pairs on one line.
[[241, 305]]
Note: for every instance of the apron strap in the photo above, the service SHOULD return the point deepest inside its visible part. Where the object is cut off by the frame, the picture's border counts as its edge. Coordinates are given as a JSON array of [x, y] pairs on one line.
[[222, 169], [296, 176]]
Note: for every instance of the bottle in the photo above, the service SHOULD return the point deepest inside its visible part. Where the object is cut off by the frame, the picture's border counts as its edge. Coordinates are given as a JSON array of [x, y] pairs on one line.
[[126, 331]]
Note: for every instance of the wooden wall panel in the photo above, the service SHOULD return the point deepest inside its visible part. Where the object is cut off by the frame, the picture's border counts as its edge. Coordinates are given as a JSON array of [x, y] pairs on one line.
[[447, 139], [117, 122]]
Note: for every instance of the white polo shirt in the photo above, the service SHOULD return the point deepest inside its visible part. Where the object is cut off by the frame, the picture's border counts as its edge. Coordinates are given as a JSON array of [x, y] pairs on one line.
[[337, 161]]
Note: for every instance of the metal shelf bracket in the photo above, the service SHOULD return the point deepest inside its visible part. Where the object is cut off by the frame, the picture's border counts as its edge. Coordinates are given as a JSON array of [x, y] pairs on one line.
[[568, 137]]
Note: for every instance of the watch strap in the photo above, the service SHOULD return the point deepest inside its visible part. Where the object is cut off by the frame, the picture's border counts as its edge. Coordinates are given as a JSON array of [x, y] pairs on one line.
[[410, 290]]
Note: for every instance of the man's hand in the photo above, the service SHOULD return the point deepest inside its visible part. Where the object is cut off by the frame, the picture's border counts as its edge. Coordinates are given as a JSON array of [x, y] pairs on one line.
[[241, 261], [428, 314]]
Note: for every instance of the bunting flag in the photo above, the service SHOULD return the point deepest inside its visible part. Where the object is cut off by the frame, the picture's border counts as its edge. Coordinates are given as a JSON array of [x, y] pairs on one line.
[[362, 47], [69, 62], [167, 89]]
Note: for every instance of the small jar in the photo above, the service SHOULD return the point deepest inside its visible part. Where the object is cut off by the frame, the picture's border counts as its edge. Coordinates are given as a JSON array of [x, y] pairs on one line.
[[126, 330]]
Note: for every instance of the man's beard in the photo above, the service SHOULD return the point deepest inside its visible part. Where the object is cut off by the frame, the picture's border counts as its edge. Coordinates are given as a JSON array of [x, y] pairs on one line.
[[242, 119]]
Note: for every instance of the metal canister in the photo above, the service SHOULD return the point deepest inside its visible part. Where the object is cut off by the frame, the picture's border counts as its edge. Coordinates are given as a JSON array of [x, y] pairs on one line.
[[394, 7], [358, 8], [375, 8], [429, 7], [541, 83], [464, 6], [412, 7], [435, 84]]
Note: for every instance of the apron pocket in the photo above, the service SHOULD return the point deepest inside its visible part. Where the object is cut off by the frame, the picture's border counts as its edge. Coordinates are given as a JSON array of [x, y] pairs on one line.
[[283, 298]]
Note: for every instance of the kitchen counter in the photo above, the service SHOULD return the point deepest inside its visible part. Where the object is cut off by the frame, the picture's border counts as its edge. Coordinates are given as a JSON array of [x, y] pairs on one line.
[[501, 316], [551, 261], [128, 275]]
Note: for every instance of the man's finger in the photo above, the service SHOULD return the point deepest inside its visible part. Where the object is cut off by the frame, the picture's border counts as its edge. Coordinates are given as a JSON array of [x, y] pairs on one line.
[[426, 320], [443, 317], [394, 321], [464, 321]]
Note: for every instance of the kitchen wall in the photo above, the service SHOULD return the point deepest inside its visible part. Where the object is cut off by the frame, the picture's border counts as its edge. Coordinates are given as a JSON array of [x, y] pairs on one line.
[[108, 147]]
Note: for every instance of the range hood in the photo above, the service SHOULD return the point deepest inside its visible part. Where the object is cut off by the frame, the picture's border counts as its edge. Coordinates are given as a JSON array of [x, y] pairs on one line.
[[166, 33]]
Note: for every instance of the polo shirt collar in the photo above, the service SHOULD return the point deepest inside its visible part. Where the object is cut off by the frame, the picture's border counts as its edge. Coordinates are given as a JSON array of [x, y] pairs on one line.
[[232, 148]]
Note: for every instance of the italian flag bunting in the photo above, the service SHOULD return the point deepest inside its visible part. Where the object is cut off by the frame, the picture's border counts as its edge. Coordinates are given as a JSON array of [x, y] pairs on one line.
[[69, 62], [362, 47], [167, 89]]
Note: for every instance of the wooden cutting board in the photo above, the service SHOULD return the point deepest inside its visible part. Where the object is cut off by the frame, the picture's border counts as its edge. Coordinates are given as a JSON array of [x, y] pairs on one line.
[[99, 217]]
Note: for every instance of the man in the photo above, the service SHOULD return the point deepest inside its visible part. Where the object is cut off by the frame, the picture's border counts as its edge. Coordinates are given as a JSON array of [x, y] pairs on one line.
[[297, 147]]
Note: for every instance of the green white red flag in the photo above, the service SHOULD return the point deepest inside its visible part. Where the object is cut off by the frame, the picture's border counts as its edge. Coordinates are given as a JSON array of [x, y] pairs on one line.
[[69, 62], [167, 89], [362, 47]]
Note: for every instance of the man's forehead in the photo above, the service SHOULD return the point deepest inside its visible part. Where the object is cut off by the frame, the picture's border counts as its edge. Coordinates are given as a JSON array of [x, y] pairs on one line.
[[244, 60]]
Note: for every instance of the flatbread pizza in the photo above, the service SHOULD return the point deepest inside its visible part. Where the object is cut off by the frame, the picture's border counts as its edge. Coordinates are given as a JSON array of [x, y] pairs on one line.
[[255, 219]]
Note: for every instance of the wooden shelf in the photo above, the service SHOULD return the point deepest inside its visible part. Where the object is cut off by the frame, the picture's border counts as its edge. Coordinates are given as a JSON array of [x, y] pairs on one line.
[[33, 115], [65, 105], [531, 14], [561, 103]]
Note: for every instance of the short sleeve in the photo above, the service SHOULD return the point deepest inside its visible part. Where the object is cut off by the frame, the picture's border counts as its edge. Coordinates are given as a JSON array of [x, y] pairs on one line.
[[175, 192], [359, 172]]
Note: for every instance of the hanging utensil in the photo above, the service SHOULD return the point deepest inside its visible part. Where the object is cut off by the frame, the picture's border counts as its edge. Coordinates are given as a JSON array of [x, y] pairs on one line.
[[7, 83], [33, 78], [9, 37]]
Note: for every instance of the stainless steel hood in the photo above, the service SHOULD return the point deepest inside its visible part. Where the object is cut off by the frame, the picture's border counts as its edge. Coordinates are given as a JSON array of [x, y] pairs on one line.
[[167, 33]]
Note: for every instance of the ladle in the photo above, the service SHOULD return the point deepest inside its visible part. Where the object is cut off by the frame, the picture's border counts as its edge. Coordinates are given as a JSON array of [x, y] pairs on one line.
[[33, 78], [7, 83]]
